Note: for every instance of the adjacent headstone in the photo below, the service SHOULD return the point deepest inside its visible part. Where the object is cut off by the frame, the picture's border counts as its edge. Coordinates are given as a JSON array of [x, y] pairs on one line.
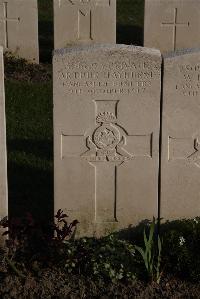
[[172, 24], [106, 135], [180, 167], [19, 28], [3, 156], [84, 22]]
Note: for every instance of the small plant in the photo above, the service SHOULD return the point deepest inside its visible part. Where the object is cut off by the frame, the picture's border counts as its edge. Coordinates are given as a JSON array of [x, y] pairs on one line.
[[181, 243], [151, 254], [108, 258], [114, 260], [30, 243], [63, 230]]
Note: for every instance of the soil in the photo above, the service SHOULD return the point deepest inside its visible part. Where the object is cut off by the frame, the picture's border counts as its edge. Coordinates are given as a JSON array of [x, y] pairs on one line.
[[20, 70], [52, 283]]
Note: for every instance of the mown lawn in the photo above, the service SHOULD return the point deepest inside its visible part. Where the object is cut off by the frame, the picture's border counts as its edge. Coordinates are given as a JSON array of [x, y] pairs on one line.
[[29, 112], [29, 141], [130, 19]]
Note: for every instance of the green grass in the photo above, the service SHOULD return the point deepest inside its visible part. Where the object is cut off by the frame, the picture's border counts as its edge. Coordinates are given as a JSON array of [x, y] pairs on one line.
[[29, 112], [130, 12], [130, 19], [29, 141], [45, 10], [45, 13]]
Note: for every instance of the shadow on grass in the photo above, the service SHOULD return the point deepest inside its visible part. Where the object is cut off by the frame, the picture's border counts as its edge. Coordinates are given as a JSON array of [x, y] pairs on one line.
[[39, 148], [46, 41], [30, 190], [130, 35], [45, 14]]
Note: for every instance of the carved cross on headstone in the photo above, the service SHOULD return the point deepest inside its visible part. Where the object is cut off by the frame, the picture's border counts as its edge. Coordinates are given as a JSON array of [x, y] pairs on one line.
[[85, 16], [5, 21], [195, 157], [174, 24], [184, 148], [106, 151]]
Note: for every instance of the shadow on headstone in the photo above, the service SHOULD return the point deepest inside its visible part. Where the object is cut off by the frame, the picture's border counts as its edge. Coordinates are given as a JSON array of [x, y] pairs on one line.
[[134, 233]]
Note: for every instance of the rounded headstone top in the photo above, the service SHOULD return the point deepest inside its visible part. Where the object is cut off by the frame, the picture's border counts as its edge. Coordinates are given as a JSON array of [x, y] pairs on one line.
[[107, 47], [181, 52]]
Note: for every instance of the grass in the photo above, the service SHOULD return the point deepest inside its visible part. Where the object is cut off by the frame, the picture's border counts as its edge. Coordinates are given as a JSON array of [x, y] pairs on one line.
[[45, 13], [29, 112], [130, 12], [45, 8], [130, 19], [29, 141]]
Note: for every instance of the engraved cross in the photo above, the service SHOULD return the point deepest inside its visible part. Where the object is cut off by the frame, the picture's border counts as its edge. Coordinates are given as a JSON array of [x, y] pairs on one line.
[[174, 25], [108, 146], [184, 148], [5, 21], [85, 16]]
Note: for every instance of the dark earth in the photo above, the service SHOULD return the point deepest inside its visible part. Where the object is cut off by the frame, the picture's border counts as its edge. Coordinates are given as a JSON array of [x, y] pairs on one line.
[[51, 283]]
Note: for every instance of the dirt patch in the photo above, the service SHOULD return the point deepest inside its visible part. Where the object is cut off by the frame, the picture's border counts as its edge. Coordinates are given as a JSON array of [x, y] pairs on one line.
[[53, 283], [21, 70]]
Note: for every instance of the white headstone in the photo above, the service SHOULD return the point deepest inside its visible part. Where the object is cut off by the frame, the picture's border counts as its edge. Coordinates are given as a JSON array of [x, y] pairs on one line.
[[84, 22], [106, 135], [19, 28], [3, 155], [172, 24], [180, 168]]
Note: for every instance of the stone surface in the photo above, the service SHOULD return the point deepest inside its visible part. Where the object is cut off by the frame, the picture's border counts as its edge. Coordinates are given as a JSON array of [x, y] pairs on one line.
[[180, 168], [19, 28], [106, 135], [84, 22], [172, 24], [3, 155]]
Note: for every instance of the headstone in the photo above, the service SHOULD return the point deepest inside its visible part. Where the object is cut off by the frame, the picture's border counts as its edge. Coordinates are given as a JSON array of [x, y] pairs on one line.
[[3, 156], [172, 24], [106, 135], [84, 22], [19, 28], [180, 168]]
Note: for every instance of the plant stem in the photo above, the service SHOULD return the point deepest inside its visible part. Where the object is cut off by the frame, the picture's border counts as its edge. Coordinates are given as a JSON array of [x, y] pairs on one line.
[[12, 265]]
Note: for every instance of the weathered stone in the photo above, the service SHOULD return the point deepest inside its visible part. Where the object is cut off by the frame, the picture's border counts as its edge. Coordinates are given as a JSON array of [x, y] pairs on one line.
[[3, 155], [172, 24], [180, 168], [84, 22], [106, 135], [19, 28]]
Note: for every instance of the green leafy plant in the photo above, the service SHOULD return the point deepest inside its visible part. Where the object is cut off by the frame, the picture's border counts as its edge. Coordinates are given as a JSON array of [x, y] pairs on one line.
[[151, 254], [114, 260], [108, 258]]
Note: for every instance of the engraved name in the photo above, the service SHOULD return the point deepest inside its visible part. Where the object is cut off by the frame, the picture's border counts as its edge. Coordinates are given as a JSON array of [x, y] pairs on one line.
[[110, 78], [190, 80]]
